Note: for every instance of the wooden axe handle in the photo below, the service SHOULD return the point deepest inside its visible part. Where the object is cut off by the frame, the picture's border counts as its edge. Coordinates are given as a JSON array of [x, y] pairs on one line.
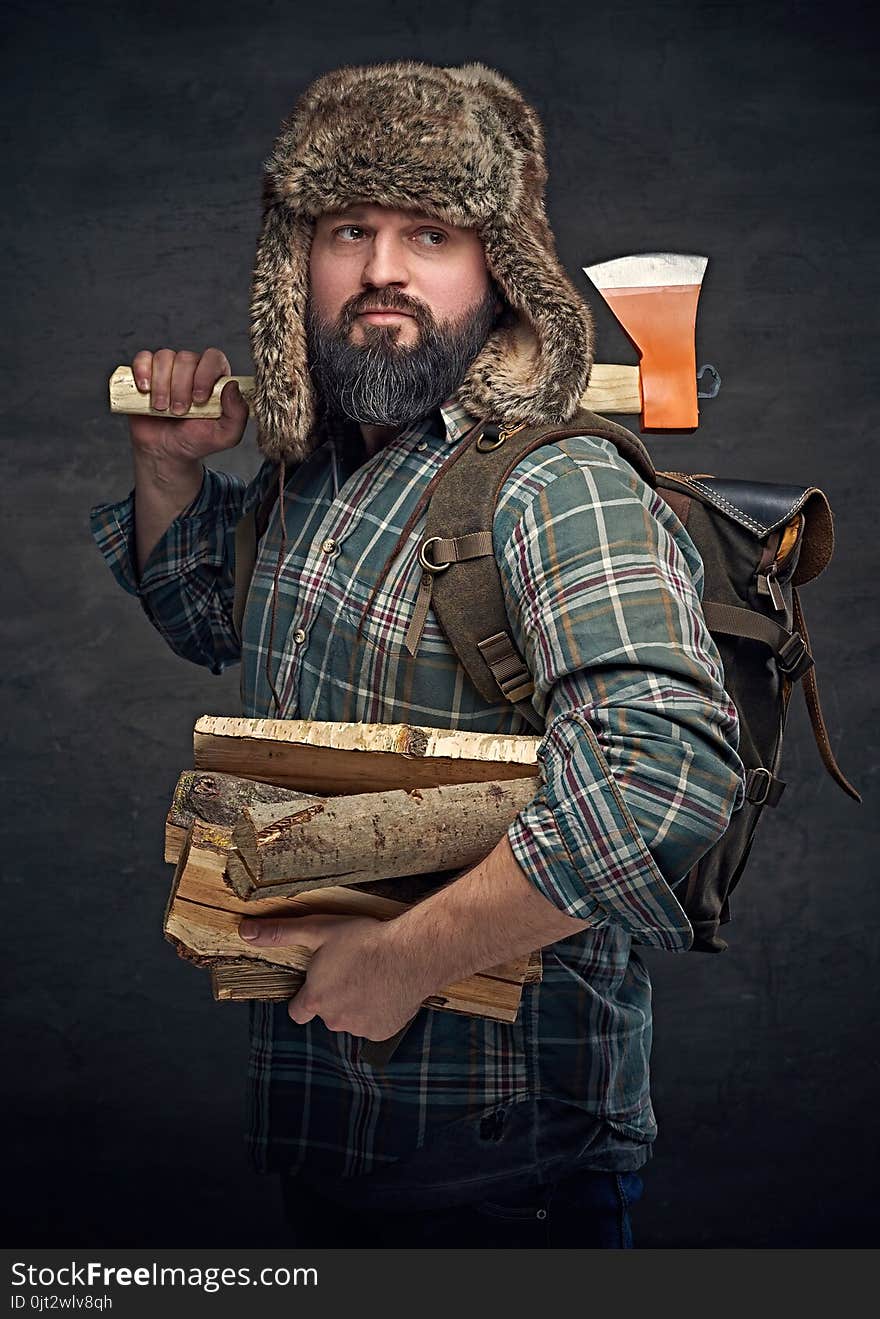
[[611, 389], [126, 397]]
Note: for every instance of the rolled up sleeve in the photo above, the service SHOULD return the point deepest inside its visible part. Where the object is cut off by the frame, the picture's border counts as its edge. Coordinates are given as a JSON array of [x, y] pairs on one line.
[[640, 767], [187, 586]]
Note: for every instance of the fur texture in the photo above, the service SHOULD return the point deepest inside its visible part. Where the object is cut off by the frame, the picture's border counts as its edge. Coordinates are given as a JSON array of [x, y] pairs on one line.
[[459, 144]]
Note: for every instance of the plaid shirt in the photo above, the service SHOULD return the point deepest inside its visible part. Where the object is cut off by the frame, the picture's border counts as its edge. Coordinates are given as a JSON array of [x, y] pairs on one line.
[[639, 761]]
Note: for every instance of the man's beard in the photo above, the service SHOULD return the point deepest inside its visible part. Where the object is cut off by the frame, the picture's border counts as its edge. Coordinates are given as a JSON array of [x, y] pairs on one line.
[[380, 383]]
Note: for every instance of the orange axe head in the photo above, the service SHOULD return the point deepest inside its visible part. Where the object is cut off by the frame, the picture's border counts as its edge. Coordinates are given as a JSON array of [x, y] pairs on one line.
[[654, 297]]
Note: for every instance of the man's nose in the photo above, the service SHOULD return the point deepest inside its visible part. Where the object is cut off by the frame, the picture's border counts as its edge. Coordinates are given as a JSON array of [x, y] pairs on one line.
[[385, 262]]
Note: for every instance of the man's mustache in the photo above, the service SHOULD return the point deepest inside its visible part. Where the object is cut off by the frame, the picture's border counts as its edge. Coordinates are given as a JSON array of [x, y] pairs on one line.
[[386, 300]]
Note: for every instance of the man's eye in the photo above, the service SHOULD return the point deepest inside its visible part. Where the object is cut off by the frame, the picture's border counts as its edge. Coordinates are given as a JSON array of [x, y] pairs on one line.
[[349, 228], [431, 234]]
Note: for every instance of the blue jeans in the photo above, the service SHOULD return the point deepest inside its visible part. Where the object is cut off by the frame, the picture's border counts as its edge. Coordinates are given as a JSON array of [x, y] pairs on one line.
[[539, 1174], [589, 1210]]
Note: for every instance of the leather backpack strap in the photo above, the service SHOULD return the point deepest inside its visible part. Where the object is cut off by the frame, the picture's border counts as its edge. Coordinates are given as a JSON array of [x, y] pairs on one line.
[[811, 695], [792, 653], [460, 578], [793, 658]]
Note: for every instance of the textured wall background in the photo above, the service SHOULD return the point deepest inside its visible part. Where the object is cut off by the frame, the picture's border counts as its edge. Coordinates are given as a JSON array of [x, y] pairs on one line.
[[137, 134]]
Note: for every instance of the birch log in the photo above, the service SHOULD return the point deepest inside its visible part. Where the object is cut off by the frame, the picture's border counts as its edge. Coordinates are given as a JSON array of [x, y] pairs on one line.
[[283, 850], [335, 758], [216, 799]]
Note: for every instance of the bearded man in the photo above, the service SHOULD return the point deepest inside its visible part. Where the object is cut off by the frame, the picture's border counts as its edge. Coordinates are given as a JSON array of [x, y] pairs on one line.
[[407, 290]]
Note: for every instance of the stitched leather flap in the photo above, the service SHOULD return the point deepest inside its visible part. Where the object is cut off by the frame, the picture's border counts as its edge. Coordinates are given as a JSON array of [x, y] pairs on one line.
[[764, 506]]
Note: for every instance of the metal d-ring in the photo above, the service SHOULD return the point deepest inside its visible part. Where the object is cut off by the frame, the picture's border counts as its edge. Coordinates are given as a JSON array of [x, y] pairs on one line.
[[431, 567], [485, 445], [716, 382]]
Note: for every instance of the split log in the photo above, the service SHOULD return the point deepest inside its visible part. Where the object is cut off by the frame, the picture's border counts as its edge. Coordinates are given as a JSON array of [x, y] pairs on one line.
[[282, 850], [203, 915], [234, 981], [217, 799], [239, 982], [214, 799], [218, 796], [338, 758]]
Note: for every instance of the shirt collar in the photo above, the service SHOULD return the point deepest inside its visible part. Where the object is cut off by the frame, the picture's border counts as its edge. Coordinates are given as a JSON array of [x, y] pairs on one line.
[[457, 419]]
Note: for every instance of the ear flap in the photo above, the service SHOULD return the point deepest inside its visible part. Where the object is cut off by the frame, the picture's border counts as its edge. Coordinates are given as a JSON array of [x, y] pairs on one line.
[[535, 365], [284, 400]]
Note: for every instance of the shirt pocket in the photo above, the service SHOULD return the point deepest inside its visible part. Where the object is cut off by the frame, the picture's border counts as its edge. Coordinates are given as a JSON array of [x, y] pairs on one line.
[[379, 619]]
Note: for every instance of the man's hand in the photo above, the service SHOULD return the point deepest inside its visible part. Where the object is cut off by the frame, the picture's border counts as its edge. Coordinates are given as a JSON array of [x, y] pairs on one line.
[[174, 380], [356, 982], [489, 915], [167, 452], [370, 977]]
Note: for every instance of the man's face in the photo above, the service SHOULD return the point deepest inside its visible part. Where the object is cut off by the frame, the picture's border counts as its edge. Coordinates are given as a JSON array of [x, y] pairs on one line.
[[399, 306]]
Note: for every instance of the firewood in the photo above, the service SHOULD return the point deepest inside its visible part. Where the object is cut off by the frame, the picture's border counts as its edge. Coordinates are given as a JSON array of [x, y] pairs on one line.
[[217, 799], [235, 981], [203, 915], [338, 758], [534, 969], [217, 795], [294, 847]]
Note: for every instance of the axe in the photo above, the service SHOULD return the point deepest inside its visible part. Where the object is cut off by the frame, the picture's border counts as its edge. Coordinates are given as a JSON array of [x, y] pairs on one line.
[[654, 297]]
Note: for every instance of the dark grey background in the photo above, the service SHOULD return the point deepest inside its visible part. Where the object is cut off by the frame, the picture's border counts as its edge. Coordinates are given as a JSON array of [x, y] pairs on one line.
[[136, 135]]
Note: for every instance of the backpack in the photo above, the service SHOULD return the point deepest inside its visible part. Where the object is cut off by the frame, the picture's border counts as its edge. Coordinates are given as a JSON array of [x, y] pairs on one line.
[[758, 542]]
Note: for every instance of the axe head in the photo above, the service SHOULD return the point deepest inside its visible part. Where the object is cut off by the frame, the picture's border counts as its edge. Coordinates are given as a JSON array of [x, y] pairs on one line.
[[654, 297]]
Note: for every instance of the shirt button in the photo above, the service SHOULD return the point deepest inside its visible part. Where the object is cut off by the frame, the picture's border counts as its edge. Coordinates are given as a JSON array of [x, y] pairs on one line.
[[299, 636], [421, 447], [328, 545]]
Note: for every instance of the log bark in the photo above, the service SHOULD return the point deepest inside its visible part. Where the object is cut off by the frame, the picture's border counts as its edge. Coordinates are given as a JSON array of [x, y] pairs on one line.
[[203, 914], [284, 849], [338, 758], [217, 799]]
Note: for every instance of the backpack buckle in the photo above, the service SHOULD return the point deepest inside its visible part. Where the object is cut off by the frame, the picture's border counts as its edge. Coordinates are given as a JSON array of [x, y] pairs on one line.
[[769, 791], [506, 666], [518, 686], [793, 658]]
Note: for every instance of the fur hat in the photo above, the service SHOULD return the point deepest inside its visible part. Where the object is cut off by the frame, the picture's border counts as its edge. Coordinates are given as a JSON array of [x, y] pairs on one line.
[[459, 144]]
